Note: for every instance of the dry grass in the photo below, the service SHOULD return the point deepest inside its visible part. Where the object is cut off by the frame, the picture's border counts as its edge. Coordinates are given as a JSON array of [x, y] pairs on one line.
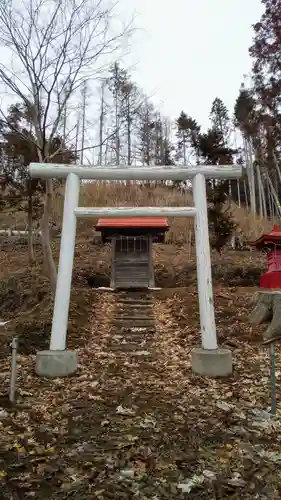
[[252, 227], [118, 194], [104, 194]]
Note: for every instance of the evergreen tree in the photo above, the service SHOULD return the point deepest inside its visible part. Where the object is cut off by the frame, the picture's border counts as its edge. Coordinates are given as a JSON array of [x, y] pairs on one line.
[[213, 150], [220, 118], [18, 150], [117, 83], [245, 112], [146, 132], [266, 54], [187, 134]]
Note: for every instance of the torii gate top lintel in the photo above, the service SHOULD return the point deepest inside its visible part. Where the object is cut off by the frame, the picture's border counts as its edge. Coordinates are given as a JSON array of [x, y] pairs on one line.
[[176, 173]]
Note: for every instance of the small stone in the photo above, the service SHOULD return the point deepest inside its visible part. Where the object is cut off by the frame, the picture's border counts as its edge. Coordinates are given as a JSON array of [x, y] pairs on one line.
[[209, 474], [121, 410], [237, 482], [222, 405], [127, 473], [3, 413]]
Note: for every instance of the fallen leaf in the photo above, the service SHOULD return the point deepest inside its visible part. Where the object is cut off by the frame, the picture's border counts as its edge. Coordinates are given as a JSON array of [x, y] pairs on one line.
[[124, 411], [191, 483]]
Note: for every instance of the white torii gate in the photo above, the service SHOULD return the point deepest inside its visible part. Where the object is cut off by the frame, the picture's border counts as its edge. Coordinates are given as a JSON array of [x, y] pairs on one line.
[[207, 360]]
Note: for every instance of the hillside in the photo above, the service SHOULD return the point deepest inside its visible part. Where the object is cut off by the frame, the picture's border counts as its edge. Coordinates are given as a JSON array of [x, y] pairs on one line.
[[144, 427]]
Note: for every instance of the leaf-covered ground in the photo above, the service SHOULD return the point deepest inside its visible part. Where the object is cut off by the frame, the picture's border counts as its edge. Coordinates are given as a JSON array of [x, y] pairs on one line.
[[144, 428]]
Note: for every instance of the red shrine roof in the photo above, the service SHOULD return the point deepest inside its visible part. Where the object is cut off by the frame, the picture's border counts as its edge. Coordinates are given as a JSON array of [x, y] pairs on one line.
[[133, 222], [272, 237]]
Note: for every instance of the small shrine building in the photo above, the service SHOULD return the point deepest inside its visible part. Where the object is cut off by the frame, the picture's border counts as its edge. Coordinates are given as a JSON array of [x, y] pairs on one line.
[[271, 244], [131, 241]]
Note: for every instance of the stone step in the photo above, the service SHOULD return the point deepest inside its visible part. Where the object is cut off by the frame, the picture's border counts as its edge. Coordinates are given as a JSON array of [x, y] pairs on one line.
[[141, 354], [135, 305], [127, 317], [133, 339], [135, 310], [128, 347], [141, 332], [126, 323], [136, 302], [136, 316], [144, 330], [135, 294]]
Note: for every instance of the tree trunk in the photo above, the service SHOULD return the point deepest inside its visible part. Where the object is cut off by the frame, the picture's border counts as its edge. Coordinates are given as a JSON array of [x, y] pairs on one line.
[[268, 310], [100, 162], [84, 92], [77, 135], [129, 132], [184, 149], [117, 139], [251, 175], [31, 257], [238, 193], [261, 213], [48, 260], [274, 196], [246, 195]]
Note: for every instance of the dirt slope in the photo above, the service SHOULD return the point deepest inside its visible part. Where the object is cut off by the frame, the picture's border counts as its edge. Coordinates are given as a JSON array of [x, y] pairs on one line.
[[137, 427]]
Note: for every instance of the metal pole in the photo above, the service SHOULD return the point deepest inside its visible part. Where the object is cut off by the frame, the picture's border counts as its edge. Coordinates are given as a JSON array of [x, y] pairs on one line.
[[272, 355], [14, 346]]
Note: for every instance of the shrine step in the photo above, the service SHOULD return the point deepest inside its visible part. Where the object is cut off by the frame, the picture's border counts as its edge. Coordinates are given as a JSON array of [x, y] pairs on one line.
[[135, 305], [128, 347], [132, 295], [132, 330], [133, 323], [139, 338], [134, 315]]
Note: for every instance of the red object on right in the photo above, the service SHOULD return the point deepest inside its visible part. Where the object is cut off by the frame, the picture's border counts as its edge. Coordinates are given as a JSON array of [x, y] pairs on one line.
[[271, 242]]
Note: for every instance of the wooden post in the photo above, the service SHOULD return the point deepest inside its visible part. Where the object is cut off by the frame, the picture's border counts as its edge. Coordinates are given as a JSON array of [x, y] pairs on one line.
[[151, 283], [113, 262], [67, 247], [204, 274]]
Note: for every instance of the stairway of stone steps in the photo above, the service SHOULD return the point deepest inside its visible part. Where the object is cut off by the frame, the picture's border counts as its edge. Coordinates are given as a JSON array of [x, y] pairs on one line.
[[133, 323]]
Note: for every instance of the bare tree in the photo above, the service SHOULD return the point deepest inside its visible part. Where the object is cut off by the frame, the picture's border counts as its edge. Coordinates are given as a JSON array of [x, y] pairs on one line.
[[133, 102], [53, 46], [84, 96], [101, 122]]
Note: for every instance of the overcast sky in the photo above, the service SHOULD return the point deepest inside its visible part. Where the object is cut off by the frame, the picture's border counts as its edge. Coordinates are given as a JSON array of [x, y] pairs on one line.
[[187, 52]]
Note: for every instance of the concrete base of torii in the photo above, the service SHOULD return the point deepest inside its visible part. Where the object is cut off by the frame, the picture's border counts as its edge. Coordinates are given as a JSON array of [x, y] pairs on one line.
[[211, 363], [53, 364]]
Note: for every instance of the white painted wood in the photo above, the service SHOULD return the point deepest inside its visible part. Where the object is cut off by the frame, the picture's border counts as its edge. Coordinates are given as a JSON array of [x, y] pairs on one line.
[[180, 173], [116, 212], [67, 247], [204, 273], [3, 323]]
